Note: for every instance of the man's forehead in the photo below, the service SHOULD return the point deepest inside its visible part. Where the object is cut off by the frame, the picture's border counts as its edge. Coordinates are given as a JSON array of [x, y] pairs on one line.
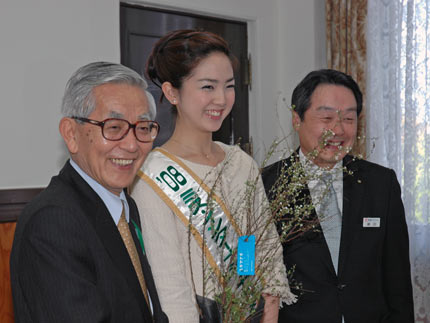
[[329, 109], [121, 100], [120, 115]]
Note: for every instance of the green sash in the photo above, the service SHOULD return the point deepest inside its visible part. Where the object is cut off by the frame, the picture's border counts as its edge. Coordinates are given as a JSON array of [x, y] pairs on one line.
[[195, 204]]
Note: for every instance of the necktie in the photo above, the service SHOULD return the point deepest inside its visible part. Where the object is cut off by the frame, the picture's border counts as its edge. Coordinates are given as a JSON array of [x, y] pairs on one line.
[[331, 219], [124, 230]]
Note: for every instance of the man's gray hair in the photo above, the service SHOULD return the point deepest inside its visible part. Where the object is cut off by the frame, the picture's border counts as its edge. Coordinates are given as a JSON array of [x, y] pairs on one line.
[[78, 99]]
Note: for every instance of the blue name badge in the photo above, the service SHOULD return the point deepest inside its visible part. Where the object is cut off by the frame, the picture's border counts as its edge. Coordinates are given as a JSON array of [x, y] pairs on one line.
[[246, 255]]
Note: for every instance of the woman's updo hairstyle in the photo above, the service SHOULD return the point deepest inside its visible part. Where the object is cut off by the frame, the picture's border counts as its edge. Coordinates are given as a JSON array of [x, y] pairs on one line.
[[176, 54]]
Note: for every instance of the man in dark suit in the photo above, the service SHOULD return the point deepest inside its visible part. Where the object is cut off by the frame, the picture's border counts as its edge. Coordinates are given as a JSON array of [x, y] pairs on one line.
[[78, 255], [353, 264]]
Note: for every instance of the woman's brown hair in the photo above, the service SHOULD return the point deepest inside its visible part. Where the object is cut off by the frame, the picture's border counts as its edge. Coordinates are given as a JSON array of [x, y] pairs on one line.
[[175, 55]]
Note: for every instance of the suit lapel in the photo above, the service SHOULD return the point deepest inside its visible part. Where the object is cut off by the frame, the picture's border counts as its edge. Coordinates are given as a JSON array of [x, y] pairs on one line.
[[318, 236], [353, 193], [315, 235], [108, 234], [111, 238]]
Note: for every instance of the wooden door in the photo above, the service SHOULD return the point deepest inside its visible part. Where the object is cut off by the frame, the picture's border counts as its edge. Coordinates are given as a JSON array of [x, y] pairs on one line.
[[141, 27], [12, 203], [7, 230]]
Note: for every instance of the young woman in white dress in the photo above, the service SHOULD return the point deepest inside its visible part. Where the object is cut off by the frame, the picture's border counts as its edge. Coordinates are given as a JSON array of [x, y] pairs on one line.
[[195, 72]]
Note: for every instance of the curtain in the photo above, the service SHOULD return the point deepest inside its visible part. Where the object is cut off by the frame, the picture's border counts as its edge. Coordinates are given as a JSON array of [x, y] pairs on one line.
[[398, 119], [346, 49]]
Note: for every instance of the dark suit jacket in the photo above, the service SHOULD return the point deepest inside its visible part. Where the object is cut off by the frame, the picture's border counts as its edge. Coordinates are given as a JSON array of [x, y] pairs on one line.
[[373, 282], [69, 263]]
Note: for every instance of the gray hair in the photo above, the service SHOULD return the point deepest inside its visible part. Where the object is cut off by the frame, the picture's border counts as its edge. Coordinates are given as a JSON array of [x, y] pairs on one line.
[[78, 99]]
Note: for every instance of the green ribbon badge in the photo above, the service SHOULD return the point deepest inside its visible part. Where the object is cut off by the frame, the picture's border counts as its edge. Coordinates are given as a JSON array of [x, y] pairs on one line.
[[139, 236]]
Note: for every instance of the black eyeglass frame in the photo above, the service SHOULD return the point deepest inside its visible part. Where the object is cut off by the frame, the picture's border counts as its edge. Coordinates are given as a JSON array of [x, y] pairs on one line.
[[130, 125]]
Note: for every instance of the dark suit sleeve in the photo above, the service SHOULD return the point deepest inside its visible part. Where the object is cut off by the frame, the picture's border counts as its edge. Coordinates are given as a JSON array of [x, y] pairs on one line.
[[396, 265], [56, 276]]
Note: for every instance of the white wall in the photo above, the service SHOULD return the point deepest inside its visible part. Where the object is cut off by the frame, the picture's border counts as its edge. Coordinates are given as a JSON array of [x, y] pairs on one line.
[[300, 33], [43, 42]]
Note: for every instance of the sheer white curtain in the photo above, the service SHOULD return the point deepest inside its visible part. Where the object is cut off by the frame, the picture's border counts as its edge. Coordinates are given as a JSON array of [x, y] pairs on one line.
[[398, 119]]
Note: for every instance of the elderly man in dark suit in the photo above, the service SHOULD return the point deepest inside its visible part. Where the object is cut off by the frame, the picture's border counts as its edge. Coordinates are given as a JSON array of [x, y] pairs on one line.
[[354, 266], [78, 254]]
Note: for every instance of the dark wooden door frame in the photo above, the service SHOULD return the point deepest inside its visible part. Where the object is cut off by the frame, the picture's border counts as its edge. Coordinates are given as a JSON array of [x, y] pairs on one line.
[[235, 123], [13, 201]]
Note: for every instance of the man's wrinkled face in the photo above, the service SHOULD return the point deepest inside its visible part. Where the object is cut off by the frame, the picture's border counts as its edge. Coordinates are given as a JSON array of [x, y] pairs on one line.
[[329, 127], [113, 164]]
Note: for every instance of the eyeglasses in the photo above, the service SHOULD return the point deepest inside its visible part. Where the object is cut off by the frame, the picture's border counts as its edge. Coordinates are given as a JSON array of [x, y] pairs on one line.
[[116, 129]]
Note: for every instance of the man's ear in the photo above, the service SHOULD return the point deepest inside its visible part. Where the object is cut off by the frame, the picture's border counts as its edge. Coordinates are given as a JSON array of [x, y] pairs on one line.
[[296, 121], [170, 92], [68, 129]]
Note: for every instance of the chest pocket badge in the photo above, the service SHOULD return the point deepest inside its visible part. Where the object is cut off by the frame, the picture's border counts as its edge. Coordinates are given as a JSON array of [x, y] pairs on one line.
[[371, 222]]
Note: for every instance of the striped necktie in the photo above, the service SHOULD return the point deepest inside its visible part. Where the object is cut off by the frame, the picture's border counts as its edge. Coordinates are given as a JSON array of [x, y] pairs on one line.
[[331, 220]]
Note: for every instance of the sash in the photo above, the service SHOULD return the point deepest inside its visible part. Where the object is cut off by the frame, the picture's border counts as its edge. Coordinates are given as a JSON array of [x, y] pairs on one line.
[[195, 204]]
